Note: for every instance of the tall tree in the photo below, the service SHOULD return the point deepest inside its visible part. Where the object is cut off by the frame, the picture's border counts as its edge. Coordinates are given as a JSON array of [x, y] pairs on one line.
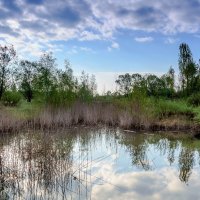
[[187, 66], [168, 83], [26, 74], [46, 74], [66, 78], [7, 54], [171, 78], [190, 75], [87, 87]]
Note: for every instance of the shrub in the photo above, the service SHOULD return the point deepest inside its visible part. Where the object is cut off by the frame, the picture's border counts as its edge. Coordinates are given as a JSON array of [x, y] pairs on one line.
[[194, 99], [61, 98], [11, 98]]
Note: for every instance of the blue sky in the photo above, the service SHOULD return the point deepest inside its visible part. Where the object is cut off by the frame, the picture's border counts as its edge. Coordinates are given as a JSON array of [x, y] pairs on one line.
[[103, 37]]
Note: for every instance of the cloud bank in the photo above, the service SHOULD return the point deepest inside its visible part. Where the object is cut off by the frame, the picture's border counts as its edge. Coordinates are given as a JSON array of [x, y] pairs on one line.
[[34, 25]]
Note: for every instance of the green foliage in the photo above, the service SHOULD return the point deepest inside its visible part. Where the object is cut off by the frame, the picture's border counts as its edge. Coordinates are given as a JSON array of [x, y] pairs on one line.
[[61, 98], [125, 83], [26, 74], [84, 94], [165, 108], [197, 114], [149, 84], [27, 91], [11, 98], [189, 71], [194, 99], [87, 87], [139, 95], [45, 79]]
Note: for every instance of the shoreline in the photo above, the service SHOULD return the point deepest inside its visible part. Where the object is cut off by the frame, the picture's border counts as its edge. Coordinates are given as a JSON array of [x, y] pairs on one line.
[[192, 129]]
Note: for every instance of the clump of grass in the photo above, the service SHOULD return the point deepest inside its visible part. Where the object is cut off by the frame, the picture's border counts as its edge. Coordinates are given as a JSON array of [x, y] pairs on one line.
[[166, 108], [197, 114]]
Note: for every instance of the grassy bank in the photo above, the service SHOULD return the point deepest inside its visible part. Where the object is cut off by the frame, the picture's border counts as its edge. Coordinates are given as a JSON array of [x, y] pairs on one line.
[[145, 114]]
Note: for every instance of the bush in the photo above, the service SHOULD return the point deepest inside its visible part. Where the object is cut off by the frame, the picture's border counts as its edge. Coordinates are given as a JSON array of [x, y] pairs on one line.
[[61, 98], [85, 94], [11, 98], [194, 99]]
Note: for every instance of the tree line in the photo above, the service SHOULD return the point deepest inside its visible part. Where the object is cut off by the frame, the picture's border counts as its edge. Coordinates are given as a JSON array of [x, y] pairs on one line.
[[42, 79], [165, 85]]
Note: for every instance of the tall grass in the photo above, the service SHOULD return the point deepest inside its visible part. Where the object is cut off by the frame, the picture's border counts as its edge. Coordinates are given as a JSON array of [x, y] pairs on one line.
[[138, 113], [165, 108], [9, 123]]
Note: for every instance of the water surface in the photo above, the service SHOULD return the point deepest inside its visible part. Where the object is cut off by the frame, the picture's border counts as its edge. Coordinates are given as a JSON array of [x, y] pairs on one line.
[[84, 163]]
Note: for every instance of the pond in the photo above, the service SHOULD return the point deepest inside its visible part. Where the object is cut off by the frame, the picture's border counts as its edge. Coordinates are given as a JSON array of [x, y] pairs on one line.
[[86, 163]]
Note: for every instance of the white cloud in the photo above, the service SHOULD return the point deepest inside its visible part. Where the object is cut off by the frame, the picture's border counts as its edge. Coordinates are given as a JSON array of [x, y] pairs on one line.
[[149, 185], [49, 21], [144, 39], [114, 45], [77, 49], [171, 40]]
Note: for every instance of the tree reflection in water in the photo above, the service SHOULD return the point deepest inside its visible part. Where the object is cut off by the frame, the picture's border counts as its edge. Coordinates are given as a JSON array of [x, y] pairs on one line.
[[62, 164], [139, 145]]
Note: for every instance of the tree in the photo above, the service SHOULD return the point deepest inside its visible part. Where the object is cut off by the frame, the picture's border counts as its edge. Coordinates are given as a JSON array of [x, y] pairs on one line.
[[46, 77], [171, 79], [66, 78], [67, 84], [93, 85], [7, 54], [27, 74], [138, 81], [87, 87], [125, 83], [155, 85], [168, 80], [187, 67]]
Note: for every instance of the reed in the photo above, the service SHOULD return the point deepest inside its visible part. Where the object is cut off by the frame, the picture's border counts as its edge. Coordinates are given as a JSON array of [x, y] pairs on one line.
[[91, 114], [129, 115], [9, 123]]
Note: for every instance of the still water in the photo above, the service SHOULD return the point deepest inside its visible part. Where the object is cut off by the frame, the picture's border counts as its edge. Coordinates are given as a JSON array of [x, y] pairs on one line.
[[100, 164]]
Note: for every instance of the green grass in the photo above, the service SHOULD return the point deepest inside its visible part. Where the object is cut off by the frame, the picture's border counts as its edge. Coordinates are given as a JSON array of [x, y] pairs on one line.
[[161, 108], [197, 114], [25, 110], [165, 108]]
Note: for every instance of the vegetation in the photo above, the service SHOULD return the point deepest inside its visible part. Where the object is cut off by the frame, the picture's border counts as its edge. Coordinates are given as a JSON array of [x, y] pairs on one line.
[[11, 98], [42, 95]]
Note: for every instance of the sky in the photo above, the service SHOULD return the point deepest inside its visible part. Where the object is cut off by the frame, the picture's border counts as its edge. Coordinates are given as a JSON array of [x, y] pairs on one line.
[[103, 37]]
